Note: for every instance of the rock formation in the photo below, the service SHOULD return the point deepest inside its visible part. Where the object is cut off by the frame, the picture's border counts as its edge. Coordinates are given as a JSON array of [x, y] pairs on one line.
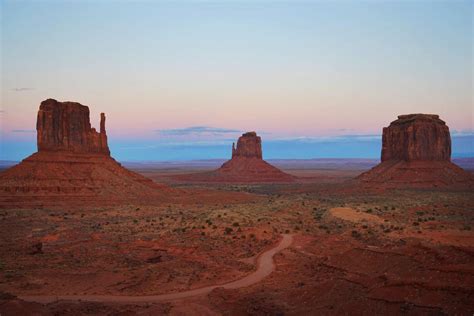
[[246, 165], [416, 152], [416, 137], [65, 126], [72, 165], [248, 145]]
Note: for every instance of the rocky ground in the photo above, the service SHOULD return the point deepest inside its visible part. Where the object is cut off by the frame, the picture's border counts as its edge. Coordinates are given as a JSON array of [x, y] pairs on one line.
[[354, 251]]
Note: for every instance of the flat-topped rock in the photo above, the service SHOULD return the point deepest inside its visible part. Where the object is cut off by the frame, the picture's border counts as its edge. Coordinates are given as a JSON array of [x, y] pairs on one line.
[[246, 166], [416, 152], [73, 166], [65, 126], [248, 145], [416, 137]]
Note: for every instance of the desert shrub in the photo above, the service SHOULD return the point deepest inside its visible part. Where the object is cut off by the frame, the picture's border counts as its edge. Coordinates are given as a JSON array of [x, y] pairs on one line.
[[355, 234], [416, 224], [235, 224], [228, 230]]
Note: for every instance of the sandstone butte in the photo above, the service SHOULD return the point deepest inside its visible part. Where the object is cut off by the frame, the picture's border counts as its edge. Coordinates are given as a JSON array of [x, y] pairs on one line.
[[416, 152], [246, 166], [72, 164]]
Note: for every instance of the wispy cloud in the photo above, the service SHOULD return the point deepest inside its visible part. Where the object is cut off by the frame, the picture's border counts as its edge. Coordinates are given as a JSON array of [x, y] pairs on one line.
[[466, 132], [197, 131], [22, 89], [323, 139], [23, 131]]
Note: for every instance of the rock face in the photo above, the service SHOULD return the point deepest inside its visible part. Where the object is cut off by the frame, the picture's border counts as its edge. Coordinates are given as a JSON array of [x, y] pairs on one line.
[[416, 137], [73, 165], [416, 152], [65, 126], [246, 166], [249, 145]]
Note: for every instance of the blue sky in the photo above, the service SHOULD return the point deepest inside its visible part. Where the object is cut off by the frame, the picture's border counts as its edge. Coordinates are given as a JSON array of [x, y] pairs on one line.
[[344, 146], [181, 80]]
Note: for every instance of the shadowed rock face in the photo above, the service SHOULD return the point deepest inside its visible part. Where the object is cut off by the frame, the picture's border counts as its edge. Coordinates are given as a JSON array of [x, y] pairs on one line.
[[416, 137], [248, 145], [65, 126]]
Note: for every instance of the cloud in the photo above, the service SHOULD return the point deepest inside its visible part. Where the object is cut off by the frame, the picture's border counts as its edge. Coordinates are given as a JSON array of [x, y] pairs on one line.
[[197, 131], [466, 132], [325, 139], [22, 89], [23, 131]]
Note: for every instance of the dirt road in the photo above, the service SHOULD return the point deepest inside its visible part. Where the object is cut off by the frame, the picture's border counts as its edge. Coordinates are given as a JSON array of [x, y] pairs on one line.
[[265, 267]]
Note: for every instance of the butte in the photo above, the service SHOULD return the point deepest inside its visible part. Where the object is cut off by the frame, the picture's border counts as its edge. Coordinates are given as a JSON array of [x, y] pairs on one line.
[[72, 166], [416, 152], [246, 166]]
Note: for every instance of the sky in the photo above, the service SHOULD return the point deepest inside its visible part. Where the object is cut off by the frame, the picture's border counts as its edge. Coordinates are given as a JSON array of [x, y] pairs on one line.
[[182, 80]]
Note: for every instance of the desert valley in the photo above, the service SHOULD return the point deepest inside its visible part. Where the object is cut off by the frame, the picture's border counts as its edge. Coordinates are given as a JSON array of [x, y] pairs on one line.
[[260, 158], [316, 237]]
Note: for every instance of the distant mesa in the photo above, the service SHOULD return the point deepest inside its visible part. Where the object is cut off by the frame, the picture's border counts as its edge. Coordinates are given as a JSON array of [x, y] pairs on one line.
[[249, 145], [246, 166], [73, 164], [416, 152]]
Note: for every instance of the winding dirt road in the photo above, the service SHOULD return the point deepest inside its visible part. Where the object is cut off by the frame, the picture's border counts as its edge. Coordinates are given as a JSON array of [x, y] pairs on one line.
[[265, 267]]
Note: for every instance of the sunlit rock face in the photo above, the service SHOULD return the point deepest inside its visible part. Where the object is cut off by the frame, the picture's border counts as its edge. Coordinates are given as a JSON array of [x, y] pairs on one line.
[[73, 166], [416, 152], [416, 137], [248, 145], [65, 126]]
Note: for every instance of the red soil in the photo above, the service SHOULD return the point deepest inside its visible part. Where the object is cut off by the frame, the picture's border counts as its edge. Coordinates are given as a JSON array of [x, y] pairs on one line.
[[417, 174], [241, 170]]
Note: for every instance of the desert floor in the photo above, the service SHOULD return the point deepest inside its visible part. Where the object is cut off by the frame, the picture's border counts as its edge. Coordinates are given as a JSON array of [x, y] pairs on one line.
[[353, 251]]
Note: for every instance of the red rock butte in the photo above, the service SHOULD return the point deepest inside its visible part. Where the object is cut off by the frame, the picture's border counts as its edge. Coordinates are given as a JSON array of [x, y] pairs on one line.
[[246, 166], [416, 152], [73, 164], [65, 126]]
